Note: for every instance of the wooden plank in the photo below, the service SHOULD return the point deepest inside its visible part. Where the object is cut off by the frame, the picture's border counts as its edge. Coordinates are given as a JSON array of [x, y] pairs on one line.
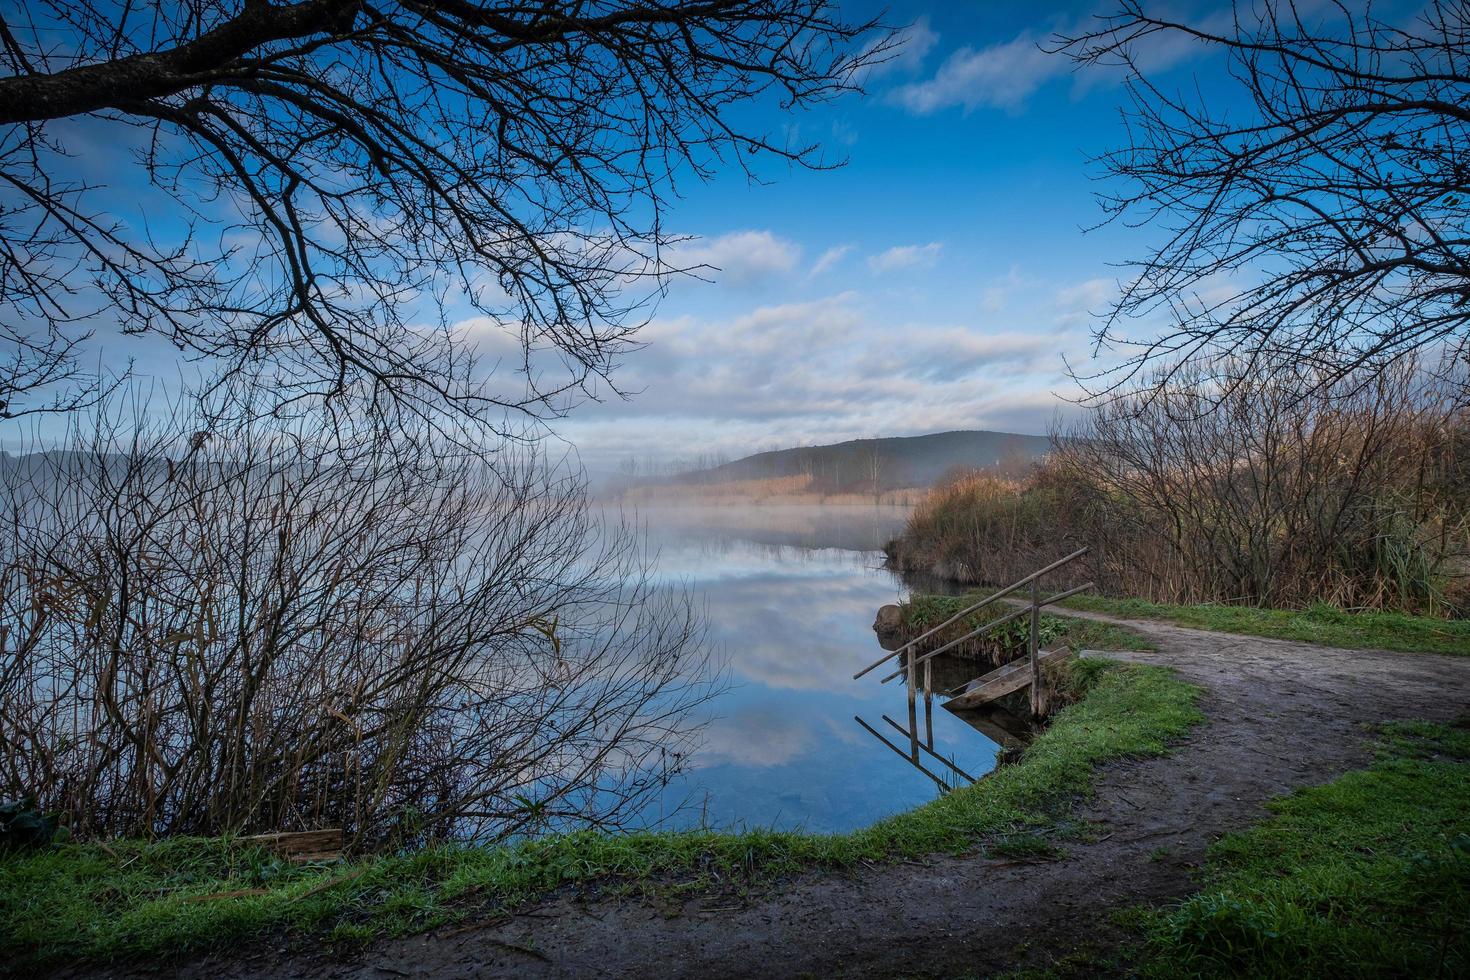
[[1002, 681], [301, 846]]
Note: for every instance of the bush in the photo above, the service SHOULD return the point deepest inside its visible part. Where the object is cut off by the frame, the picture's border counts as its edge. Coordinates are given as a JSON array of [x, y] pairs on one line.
[[23, 827], [1353, 494], [247, 632]]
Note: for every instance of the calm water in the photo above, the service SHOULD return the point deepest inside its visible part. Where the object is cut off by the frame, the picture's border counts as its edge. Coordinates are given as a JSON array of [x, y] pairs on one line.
[[791, 593]]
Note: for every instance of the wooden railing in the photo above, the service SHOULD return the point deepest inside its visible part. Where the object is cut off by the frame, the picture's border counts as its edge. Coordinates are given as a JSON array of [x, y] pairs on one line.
[[1032, 608]]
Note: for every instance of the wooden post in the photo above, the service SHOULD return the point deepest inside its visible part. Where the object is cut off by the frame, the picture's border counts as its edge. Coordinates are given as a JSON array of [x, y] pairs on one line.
[[913, 684], [929, 704], [1037, 704]]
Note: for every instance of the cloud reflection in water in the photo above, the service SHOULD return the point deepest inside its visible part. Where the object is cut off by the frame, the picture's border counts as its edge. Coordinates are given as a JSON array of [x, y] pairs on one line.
[[791, 593]]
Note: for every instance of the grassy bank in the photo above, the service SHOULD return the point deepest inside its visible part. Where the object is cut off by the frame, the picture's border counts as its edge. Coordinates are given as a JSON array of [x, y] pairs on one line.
[[131, 899], [1368, 875], [1322, 624]]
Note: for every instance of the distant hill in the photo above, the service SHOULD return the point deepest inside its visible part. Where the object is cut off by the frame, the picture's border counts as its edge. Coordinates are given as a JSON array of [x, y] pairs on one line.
[[872, 465]]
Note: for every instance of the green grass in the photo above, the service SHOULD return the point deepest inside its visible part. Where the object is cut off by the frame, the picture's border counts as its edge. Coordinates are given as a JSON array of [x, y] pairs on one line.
[[1323, 624], [89, 902], [1367, 876]]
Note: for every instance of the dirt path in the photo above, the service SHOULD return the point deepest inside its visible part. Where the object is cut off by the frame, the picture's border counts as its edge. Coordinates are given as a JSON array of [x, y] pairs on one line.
[[1279, 715]]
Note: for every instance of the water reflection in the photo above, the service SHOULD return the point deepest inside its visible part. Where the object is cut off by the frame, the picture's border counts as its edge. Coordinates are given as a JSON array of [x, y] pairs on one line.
[[790, 594]]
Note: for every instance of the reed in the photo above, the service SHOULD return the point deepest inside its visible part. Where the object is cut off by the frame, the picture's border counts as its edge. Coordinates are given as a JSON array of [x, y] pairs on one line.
[[1354, 493]]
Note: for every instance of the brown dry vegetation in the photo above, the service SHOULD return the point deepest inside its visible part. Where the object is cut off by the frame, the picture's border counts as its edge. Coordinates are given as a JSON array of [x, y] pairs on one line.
[[1355, 494]]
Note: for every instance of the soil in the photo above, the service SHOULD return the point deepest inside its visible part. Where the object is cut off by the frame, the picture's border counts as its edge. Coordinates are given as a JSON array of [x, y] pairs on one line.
[[1279, 715]]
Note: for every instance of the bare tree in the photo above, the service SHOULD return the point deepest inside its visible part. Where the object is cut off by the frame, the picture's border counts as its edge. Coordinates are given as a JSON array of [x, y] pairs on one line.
[[1313, 192], [875, 468], [330, 170], [242, 631]]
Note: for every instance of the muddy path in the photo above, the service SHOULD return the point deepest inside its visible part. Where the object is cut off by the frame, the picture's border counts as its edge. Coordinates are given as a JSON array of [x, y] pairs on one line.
[[1279, 715]]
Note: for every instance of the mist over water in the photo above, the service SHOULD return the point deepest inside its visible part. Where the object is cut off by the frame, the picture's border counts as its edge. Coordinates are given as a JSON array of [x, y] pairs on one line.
[[790, 593]]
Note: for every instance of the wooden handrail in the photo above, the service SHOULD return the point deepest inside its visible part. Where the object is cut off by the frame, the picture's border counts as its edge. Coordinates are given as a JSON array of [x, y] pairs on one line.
[[970, 609], [1015, 614]]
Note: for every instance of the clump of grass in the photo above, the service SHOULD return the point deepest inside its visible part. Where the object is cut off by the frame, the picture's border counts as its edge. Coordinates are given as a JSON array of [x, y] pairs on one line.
[[1324, 624], [1368, 875], [1088, 634], [87, 901], [978, 526]]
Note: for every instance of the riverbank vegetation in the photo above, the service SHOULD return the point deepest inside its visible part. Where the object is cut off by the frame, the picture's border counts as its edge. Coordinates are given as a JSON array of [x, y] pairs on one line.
[[250, 632], [1317, 623], [133, 898], [1368, 875], [1269, 492]]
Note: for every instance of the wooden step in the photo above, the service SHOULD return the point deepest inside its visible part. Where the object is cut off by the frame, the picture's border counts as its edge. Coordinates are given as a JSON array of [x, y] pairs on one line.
[[1002, 681]]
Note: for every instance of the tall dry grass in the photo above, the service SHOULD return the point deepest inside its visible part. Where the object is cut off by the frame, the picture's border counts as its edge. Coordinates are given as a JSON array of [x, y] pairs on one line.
[[1355, 493]]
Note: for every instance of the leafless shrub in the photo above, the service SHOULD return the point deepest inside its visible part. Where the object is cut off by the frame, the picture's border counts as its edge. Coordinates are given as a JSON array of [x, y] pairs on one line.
[[241, 632], [1261, 491]]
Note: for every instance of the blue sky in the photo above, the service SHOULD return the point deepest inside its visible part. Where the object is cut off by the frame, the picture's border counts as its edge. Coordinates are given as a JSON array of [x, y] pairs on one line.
[[934, 282]]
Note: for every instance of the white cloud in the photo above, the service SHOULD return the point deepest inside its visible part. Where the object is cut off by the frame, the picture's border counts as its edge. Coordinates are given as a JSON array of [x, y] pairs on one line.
[[829, 259], [1006, 74], [905, 257], [912, 45], [1000, 76], [828, 365], [739, 257], [1077, 304]]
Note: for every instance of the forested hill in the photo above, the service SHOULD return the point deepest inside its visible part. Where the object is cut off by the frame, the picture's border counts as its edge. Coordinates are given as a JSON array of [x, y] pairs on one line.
[[863, 464]]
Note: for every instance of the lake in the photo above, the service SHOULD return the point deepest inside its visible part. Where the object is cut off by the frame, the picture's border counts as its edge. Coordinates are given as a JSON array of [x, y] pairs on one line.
[[790, 593]]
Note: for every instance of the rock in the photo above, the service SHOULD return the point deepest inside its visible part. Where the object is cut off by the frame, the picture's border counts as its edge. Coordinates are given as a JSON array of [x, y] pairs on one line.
[[890, 619]]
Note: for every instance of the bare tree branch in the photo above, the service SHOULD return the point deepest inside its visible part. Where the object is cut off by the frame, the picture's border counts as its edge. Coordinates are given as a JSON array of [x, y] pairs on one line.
[[1316, 213], [210, 627], [340, 173]]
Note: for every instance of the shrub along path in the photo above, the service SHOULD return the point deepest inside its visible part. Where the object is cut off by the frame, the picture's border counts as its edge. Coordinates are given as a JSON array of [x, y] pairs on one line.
[[1279, 715]]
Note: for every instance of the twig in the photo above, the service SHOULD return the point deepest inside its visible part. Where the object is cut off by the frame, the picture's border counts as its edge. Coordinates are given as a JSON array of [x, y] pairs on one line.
[[323, 886], [238, 893], [471, 927], [519, 949]]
